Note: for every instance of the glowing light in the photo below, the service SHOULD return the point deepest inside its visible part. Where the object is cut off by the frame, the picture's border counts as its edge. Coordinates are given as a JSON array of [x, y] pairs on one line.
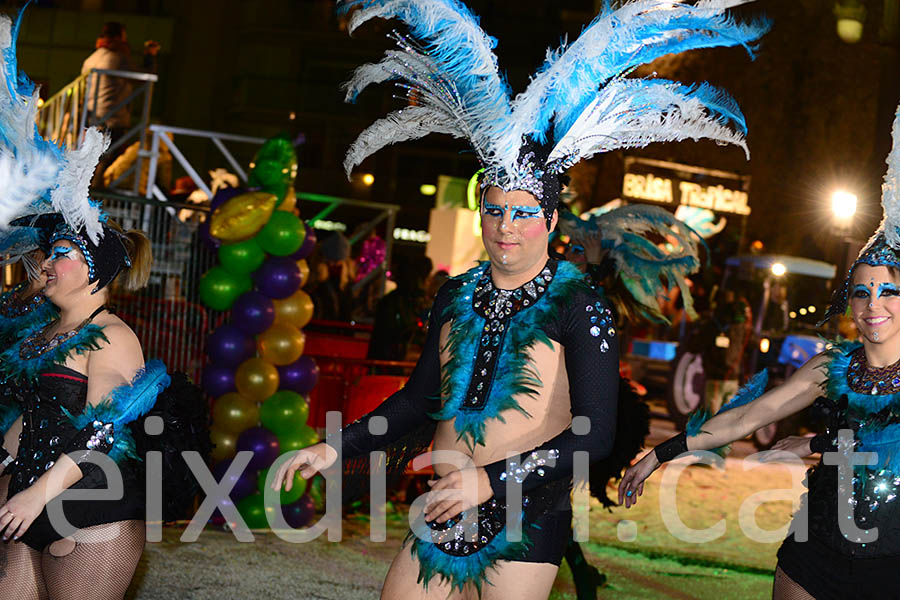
[[792, 315], [40, 102], [812, 309], [368, 179], [764, 345], [756, 246], [802, 311], [427, 189], [778, 269], [843, 204]]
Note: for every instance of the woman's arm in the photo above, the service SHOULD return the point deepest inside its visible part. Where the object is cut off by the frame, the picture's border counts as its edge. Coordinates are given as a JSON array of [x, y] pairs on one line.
[[797, 393], [11, 442]]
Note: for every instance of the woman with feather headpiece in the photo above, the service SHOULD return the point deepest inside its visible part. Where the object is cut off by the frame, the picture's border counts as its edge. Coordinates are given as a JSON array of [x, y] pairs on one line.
[[843, 542], [81, 374], [521, 354]]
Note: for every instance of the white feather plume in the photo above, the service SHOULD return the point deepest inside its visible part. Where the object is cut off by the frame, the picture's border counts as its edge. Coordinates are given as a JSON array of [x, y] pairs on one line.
[[405, 124], [890, 191], [71, 196], [21, 183]]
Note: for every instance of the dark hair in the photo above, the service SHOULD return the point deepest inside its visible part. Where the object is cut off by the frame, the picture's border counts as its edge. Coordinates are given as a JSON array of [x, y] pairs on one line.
[[112, 30]]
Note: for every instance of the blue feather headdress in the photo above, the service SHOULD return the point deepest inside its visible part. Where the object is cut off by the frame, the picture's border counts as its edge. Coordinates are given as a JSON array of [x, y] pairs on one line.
[[36, 175], [579, 103]]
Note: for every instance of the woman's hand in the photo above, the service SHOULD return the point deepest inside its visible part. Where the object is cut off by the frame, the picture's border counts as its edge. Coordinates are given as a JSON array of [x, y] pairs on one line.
[[312, 460], [795, 444], [632, 484], [449, 496], [19, 512]]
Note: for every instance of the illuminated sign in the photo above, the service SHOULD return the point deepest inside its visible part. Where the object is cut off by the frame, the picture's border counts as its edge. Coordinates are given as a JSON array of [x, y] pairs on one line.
[[683, 185]]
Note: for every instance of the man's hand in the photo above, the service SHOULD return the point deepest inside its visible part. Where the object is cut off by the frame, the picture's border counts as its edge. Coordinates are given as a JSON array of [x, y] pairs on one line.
[[457, 491]]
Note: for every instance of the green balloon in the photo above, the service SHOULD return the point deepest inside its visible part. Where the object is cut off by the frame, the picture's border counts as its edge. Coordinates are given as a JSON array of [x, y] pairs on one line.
[[282, 235], [316, 489], [274, 167], [286, 497], [284, 412], [241, 258], [297, 439], [219, 288], [253, 509]]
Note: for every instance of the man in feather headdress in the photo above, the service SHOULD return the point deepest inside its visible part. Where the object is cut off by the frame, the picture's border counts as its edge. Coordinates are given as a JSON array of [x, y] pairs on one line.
[[516, 388]]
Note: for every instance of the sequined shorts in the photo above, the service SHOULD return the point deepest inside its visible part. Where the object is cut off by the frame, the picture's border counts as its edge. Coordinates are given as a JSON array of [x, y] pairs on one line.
[[461, 550]]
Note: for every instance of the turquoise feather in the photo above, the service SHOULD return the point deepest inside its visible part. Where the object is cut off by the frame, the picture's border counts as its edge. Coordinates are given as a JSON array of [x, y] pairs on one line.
[[515, 376], [8, 415], [750, 391], [125, 404], [13, 366]]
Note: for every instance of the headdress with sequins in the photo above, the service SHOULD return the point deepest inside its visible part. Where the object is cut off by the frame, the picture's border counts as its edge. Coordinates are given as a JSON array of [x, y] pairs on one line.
[[578, 104], [36, 175], [883, 248]]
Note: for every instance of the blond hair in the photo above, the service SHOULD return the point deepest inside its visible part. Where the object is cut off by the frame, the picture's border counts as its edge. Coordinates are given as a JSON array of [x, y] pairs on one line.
[[137, 245]]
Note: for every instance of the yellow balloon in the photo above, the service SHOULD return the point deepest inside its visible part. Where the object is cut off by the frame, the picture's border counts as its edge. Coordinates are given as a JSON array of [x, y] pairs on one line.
[[296, 309], [290, 201], [224, 444], [241, 217], [234, 413], [280, 344], [256, 379], [304, 271]]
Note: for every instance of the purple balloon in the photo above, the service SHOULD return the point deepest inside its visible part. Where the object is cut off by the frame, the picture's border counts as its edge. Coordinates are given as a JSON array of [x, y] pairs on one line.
[[309, 242], [300, 376], [253, 313], [230, 346], [262, 443], [299, 513], [217, 517], [278, 277], [206, 236], [218, 380], [242, 485], [224, 195]]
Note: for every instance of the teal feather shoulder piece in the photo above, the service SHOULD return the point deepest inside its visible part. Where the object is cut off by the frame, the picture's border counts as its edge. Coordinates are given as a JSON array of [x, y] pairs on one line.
[[514, 375], [14, 366], [126, 404], [750, 391], [9, 412]]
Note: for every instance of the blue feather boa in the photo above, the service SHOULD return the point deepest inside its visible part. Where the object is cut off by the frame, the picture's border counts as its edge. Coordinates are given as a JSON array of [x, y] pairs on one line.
[[125, 404], [461, 570], [13, 366], [14, 327], [750, 391], [884, 440], [514, 374]]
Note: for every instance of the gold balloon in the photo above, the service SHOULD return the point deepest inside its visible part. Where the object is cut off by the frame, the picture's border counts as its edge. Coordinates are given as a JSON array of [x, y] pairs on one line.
[[256, 379], [290, 201], [241, 217], [304, 271], [296, 309], [224, 444], [280, 344], [234, 413]]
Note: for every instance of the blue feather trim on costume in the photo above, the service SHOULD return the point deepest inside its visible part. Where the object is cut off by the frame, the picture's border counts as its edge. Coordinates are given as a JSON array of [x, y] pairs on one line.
[[16, 327], [749, 392], [461, 570], [125, 404], [514, 374], [13, 366]]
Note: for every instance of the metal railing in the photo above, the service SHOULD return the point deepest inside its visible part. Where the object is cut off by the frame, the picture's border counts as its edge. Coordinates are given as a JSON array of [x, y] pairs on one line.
[[167, 315], [64, 117], [159, 135]]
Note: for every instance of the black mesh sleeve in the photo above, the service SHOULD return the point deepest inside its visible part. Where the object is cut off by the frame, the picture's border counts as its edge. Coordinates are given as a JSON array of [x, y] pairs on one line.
[[587, 334], [408, 408]]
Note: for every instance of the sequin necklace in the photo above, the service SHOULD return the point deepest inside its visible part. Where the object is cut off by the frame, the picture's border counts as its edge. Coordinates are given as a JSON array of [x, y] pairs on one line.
[[865, 379], [13, 308], [37, 344]]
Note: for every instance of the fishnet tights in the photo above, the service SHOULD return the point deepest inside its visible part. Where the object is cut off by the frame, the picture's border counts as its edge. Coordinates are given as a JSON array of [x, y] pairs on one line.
[[98, 568], [786, 588]]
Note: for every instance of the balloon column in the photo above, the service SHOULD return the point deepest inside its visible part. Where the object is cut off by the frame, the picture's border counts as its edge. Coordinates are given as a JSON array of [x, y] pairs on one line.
[[257, 372]]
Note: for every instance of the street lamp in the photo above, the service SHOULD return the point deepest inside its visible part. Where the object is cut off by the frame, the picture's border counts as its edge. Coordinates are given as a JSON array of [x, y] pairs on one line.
[[778, 269], [843, 205], [850, 15]]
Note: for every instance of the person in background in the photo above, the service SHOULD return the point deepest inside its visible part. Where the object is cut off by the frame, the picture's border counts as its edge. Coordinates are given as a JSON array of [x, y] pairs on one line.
[[401, 315]]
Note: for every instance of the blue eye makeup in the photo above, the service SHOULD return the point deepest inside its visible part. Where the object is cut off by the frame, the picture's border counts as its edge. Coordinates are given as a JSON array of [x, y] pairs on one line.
[[887, 289], [526, 212], [61, 252], [494, 210]]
